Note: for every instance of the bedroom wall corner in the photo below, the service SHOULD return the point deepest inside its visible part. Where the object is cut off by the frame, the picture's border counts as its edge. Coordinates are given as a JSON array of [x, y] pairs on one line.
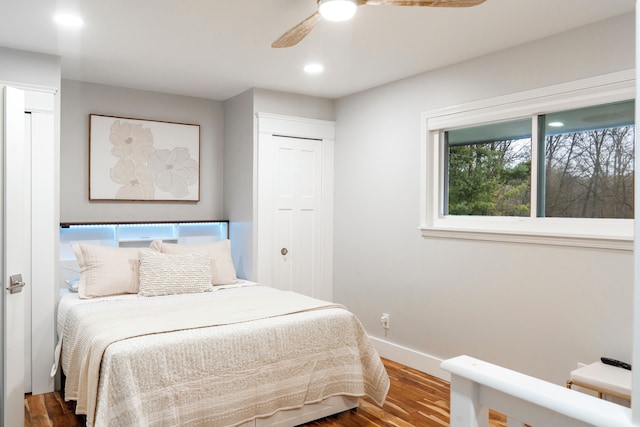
[[240, 160], [292, 104], [414, 359], [239, 179]]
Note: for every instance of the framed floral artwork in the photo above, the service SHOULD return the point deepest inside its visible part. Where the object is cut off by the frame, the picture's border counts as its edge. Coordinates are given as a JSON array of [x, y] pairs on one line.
[[143, 160]]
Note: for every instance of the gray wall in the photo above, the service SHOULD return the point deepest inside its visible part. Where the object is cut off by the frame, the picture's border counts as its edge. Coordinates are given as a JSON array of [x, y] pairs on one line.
[[536, 309], [291, 104], [81, 99], [30, 68], [238, 179]]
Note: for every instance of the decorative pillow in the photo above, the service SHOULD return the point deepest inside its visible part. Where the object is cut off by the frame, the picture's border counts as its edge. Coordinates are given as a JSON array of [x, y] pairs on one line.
[[167, 274], [222, 270], [106, 270]]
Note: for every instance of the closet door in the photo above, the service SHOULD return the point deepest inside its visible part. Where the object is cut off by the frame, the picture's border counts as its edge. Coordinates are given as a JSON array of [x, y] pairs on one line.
[[297, 214], [295, 205]]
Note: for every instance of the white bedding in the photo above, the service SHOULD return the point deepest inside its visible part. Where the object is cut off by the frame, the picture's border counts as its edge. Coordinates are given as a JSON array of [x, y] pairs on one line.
[[219, 375]]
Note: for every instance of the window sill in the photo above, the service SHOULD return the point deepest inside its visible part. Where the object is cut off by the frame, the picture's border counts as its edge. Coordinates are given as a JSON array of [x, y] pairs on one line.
[[592, 235]]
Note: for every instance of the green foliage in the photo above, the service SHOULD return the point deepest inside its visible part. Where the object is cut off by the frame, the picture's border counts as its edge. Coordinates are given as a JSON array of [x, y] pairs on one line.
[[489, 180]]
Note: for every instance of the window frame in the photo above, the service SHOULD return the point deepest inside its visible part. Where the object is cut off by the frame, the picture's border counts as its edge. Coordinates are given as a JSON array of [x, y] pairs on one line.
[[579, 232]]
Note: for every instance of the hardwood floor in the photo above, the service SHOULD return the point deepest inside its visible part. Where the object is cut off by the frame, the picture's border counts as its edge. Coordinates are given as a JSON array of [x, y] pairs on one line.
[[414, 400]]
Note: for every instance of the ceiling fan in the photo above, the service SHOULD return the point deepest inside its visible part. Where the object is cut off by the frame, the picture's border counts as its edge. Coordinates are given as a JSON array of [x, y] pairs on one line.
[[340, 10]]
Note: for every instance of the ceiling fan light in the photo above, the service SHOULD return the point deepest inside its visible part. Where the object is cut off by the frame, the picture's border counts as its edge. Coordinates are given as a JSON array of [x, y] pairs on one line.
[[337, 10], [313, 68]]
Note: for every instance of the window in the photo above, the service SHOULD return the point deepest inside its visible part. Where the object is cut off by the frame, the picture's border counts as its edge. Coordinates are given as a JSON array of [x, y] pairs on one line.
[[552, 166]]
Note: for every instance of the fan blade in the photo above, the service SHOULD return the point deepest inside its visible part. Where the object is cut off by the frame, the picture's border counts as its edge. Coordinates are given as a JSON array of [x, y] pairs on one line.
[[432, 3], [297, 33]]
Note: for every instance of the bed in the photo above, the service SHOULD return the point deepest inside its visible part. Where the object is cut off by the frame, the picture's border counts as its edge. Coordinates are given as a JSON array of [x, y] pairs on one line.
[[232, 354]]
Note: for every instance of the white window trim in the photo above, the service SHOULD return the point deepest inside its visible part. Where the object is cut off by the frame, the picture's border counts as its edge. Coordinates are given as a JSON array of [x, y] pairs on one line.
[[594, 233]]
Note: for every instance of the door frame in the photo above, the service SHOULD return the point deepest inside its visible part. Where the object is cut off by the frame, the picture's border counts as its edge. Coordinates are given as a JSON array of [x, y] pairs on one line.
[[269, 125], [12, 258]]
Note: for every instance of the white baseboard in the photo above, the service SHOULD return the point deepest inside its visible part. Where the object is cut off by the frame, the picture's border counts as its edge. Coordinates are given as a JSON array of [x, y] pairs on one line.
[[411, 358]]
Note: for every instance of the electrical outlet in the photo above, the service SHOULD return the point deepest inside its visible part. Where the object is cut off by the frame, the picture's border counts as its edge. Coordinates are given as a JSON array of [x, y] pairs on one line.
[[386, 323]]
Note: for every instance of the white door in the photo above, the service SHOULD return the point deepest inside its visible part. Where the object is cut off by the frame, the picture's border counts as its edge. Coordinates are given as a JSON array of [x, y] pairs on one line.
[[297, 214], [39, 241], [13, 201], [295, 205]]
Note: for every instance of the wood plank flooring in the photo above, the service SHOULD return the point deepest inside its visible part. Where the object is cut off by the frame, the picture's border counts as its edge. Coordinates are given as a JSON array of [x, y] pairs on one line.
[[414, 400]]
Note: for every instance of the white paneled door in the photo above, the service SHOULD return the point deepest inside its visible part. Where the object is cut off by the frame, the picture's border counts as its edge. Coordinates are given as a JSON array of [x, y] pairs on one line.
[[13, 226], [295, 195], [297, 211]]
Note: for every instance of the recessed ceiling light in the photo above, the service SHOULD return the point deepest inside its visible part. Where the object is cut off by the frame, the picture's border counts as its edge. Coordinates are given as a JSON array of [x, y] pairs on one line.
[[68, 20], [556, 124], [314, 68]]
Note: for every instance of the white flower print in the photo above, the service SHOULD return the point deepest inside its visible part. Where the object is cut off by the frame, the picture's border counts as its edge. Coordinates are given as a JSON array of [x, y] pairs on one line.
[[174, 170], [135, 178], [131, 141]]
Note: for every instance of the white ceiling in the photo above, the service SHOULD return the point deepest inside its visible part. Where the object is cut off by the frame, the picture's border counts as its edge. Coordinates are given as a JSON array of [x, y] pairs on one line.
[[219, 48]]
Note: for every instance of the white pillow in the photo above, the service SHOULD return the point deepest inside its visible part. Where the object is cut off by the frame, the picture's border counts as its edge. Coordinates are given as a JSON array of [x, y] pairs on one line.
[[167, 274], [222, 270], [105, 270]]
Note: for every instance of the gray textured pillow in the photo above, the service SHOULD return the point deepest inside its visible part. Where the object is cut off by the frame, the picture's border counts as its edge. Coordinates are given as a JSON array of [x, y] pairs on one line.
[[223, 271], [167, 274]]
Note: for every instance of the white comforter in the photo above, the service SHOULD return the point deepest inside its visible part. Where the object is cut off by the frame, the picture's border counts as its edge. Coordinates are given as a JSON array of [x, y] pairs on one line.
[[260, 361]]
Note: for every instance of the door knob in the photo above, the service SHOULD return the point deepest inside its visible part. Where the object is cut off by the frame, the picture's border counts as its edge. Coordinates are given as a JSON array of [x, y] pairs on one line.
[[15, 284], [284, 251]]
